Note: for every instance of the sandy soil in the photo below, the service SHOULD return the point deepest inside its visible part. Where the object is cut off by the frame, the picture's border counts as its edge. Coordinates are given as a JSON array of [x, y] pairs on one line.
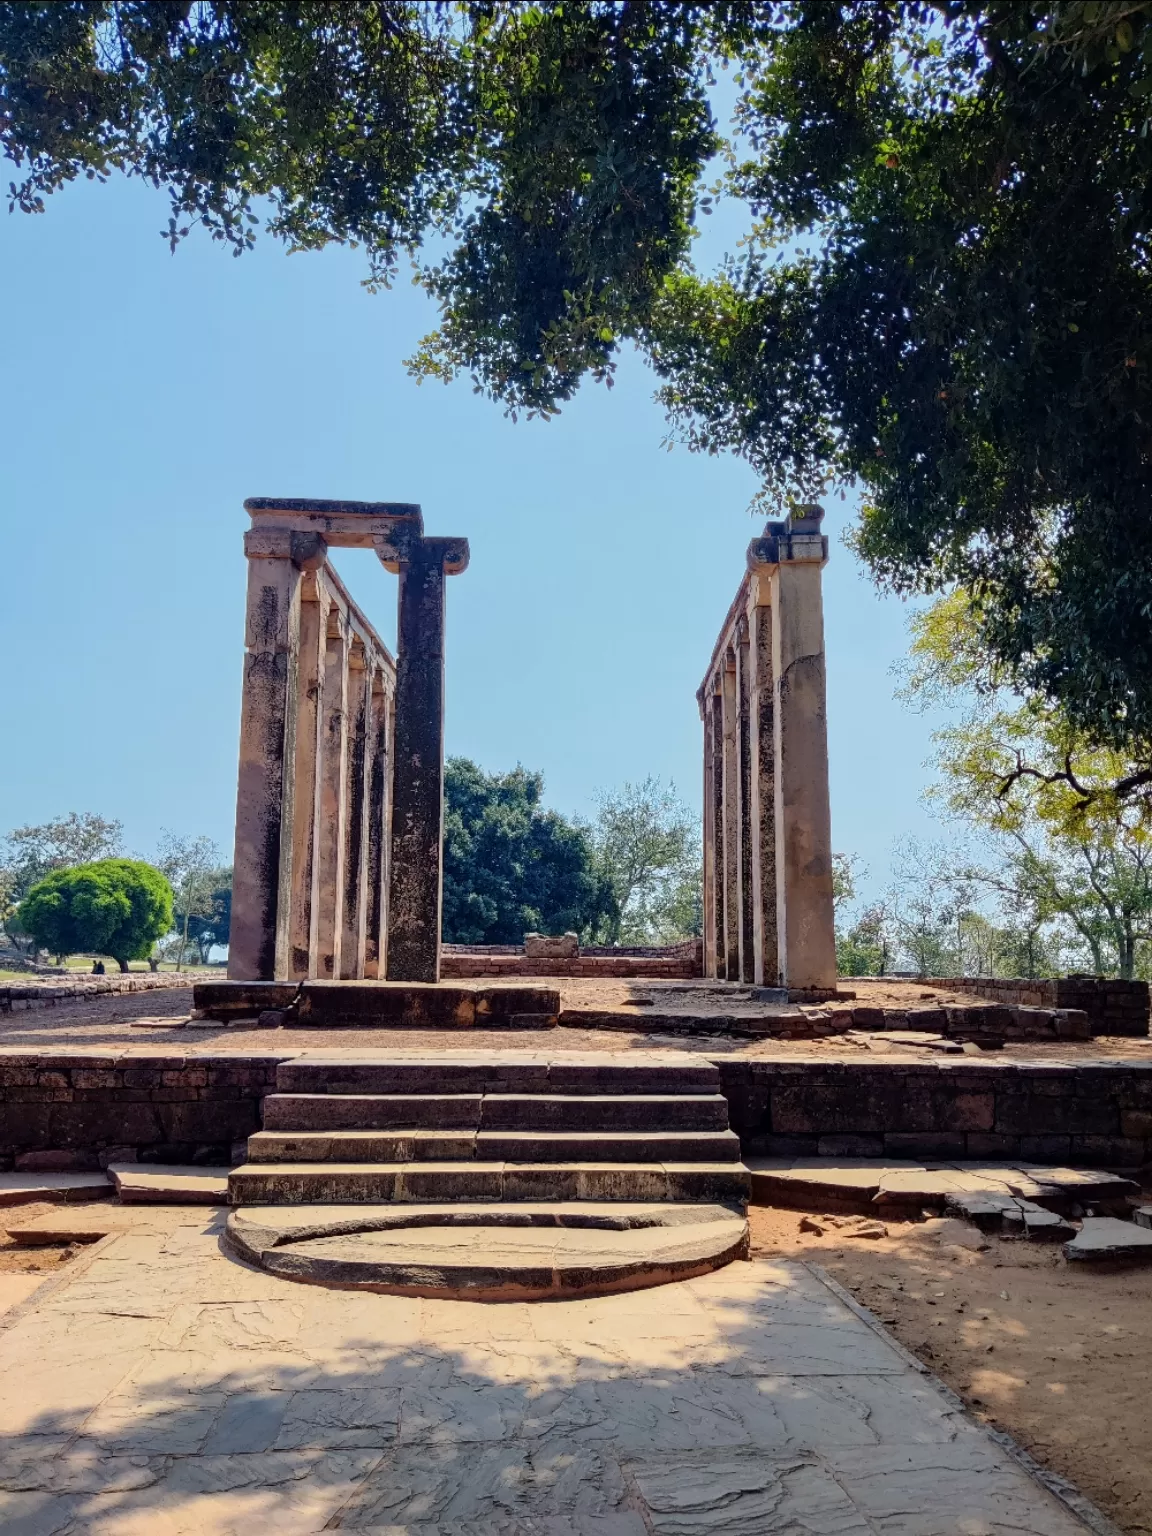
[[1057, 1355], [116, 1022], [30, 1261]]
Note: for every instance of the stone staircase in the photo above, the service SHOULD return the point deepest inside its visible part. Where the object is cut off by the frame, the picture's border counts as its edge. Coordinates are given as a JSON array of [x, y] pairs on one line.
[[348, 1130]]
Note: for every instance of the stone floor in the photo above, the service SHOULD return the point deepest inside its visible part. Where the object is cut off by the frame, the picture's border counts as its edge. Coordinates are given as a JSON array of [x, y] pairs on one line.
[[157, 1387]]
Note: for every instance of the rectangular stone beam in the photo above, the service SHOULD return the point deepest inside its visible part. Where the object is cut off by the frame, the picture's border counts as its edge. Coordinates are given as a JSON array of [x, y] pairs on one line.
[[731, 818], [376, 874], [356, 811], [301, 746], [744, 791], [762, 787]]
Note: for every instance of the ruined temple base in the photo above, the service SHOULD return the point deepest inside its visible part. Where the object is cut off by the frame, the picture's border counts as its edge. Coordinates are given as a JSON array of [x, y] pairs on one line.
[[380, 1004]]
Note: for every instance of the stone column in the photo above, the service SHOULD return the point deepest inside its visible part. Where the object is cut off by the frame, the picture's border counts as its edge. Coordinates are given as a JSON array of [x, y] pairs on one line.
[[270, 642], [331, 807], [744, 793], [806, 936], [356, 768], [704, 699], [301, 745], [715, 707], [762, 786], [415, 882], [376, 874], [731, 817]]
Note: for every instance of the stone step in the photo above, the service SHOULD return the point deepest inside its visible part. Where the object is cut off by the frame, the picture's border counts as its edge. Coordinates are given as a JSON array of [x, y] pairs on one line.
[[415, 1182], [605, 1073], [495, 1111], [407, 1146]]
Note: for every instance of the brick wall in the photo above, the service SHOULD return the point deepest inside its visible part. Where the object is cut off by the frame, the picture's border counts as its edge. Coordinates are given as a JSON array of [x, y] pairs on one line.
[[1114, 1007], [1091, 1114], [86, 1109]]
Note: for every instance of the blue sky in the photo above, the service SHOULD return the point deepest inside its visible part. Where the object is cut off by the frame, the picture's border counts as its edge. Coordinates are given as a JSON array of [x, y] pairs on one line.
[[145, 395]]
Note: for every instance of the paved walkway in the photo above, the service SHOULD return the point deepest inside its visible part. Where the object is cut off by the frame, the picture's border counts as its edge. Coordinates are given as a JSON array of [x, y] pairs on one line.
[[157, 1388]]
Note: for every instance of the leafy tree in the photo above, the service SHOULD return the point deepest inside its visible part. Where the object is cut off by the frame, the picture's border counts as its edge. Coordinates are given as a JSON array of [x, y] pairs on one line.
[[31, 852], [210, 929], [1068, 848], [943, 296], [192, 867], [511, 867], [866, 946], [116, 907], [647, 843]]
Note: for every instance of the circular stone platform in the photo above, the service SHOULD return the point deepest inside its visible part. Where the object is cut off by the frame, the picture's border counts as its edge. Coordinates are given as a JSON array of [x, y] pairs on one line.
[[519, 1252]]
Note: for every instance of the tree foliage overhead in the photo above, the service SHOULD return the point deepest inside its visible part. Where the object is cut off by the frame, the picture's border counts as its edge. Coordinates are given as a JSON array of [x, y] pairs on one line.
[[511, 867], [116, 907], [944, 297]]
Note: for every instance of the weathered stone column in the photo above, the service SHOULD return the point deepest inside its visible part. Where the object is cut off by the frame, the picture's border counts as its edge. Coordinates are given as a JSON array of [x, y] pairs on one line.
[[271, 637], [376, 874], [704, 699], [806, 933], [301, 745], [415, 884], [331, 806], [762, 786], [744, 793], [356, 768], [731, 821]]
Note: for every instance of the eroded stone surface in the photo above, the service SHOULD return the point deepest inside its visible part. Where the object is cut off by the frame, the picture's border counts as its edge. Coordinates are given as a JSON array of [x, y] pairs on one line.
[[157, 1183], [1105, 1237], [24, 1188], [167, 1389]]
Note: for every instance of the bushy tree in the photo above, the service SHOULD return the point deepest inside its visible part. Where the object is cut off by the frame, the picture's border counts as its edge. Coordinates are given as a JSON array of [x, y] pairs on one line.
[[116, 907], [944, 296], [510, 866], [31, 852], [647, 843], [192, 867]]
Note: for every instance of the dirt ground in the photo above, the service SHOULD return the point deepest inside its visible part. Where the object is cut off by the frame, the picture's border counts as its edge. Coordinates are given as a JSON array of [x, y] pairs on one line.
[[30, 1261], [149, 1020], [1058, 1355]]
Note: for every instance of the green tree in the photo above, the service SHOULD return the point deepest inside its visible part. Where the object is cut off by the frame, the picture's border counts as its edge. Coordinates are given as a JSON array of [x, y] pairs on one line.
[[192, 868], [211, 929], [510, 866], [647, 843], [943, 296], [116, 907], [31, 852], [1068, 849]]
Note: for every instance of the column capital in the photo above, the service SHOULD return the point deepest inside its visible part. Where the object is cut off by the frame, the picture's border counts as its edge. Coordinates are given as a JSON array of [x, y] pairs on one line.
[[398, 545], [307, 551], [796, 540]]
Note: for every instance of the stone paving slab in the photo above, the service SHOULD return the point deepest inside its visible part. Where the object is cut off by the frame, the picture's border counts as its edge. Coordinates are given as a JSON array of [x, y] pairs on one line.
[[27, 1188], [170, 1184], [168, 1391]]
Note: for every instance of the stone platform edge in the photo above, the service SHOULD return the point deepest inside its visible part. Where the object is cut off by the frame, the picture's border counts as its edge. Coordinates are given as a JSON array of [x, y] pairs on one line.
[[47, 992], [81, 1110]]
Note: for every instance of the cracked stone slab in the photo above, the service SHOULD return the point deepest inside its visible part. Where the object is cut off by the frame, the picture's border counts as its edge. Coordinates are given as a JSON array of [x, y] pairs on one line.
[[25, 1188], [1106, 1237]]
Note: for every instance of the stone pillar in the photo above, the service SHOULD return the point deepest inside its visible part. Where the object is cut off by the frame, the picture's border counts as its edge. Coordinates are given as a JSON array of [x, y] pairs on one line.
[[731, 817], [301, 745], [744, 793], [762, 785], [271, 640], [331, 807], [414, 900], [806, 934], [356, 768], [704, 699], [376, 873]]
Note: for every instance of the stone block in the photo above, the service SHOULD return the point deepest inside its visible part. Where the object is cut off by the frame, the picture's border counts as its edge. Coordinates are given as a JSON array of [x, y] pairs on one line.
[[1105, 1237], [933, 1144], [1136, 1123], [539, 946], [1109, 1151], [850, 1146]]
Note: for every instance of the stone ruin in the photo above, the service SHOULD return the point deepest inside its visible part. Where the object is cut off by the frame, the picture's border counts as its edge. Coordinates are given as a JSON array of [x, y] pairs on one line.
[[339, 805], [768, 914]]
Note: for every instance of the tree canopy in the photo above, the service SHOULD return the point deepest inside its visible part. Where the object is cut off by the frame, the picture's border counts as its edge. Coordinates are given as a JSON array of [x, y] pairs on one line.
[[943, 297], [511, 867], [116, 907]]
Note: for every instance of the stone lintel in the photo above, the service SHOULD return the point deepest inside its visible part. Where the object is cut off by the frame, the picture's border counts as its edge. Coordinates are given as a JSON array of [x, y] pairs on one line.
[[343, 524], [395, 548]]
